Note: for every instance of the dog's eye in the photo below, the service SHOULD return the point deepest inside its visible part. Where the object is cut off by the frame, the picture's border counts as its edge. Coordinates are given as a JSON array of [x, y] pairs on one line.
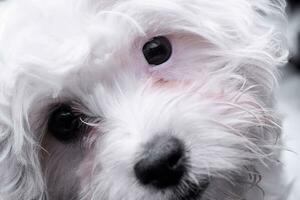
[[64, 124], [158, 50]]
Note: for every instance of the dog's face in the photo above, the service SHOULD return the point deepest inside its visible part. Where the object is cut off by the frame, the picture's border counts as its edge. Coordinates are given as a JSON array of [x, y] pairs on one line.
[[137, 100]]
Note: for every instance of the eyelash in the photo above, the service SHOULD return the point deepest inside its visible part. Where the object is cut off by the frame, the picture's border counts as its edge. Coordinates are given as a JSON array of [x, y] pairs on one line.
[[67, 123]]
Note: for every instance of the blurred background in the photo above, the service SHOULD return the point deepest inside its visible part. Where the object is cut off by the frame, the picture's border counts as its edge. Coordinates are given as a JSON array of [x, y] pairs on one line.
[[288, 96]]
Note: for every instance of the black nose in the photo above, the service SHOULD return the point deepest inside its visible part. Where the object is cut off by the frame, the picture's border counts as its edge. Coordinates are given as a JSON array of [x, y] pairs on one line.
[[163, 163]]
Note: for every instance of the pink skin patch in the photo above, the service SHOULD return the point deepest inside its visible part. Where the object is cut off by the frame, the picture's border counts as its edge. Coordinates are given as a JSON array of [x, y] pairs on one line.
[[185, 84]]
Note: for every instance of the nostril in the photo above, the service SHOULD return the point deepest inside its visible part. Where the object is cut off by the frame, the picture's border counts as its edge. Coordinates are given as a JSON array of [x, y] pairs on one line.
[[175, 158], [163, 162]]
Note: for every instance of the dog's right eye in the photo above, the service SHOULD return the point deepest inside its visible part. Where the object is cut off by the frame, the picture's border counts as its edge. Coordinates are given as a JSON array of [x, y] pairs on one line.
[[64, 124]]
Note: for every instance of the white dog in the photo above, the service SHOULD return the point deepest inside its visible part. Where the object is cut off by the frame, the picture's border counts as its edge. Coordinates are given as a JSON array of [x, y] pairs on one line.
[[140, 99]]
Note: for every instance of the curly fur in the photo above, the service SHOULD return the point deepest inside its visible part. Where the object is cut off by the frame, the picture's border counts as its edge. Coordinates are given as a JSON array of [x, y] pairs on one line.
[[215, 93]]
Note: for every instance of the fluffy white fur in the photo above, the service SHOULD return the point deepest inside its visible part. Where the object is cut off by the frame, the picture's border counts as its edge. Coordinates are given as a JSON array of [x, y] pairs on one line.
[[215, 93], [288, 106]]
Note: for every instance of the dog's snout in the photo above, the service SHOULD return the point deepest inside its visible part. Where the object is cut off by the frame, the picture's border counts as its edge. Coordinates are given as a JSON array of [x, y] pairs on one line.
[[163, 163]]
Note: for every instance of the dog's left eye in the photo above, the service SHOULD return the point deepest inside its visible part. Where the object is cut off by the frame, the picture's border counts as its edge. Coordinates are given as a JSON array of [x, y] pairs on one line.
[[64, 124], [158, 50]]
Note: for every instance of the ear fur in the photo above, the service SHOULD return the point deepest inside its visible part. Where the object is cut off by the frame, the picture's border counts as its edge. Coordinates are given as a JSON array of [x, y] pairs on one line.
[[20, 173]]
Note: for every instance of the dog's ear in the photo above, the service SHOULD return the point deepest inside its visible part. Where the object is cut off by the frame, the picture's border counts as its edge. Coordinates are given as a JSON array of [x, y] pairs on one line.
[[20, 172], [266, 46], [19, 166]]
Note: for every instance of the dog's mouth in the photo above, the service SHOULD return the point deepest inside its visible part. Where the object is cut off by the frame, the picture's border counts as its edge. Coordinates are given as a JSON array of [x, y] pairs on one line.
[[190, 190]]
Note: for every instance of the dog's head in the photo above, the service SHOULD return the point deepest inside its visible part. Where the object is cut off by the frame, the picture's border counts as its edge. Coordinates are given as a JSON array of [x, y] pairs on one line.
[[132, 100]]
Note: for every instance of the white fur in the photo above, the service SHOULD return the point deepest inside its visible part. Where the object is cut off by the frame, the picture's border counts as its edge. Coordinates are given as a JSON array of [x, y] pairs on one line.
[[288, 107], [215, 93]]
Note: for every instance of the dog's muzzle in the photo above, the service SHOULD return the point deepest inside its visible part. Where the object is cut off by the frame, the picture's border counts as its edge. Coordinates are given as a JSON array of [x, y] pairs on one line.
[[164, 165]]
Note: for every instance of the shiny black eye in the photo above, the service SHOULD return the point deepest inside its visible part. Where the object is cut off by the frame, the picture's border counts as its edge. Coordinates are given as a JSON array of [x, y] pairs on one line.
[[158, 50], [64, 124]]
